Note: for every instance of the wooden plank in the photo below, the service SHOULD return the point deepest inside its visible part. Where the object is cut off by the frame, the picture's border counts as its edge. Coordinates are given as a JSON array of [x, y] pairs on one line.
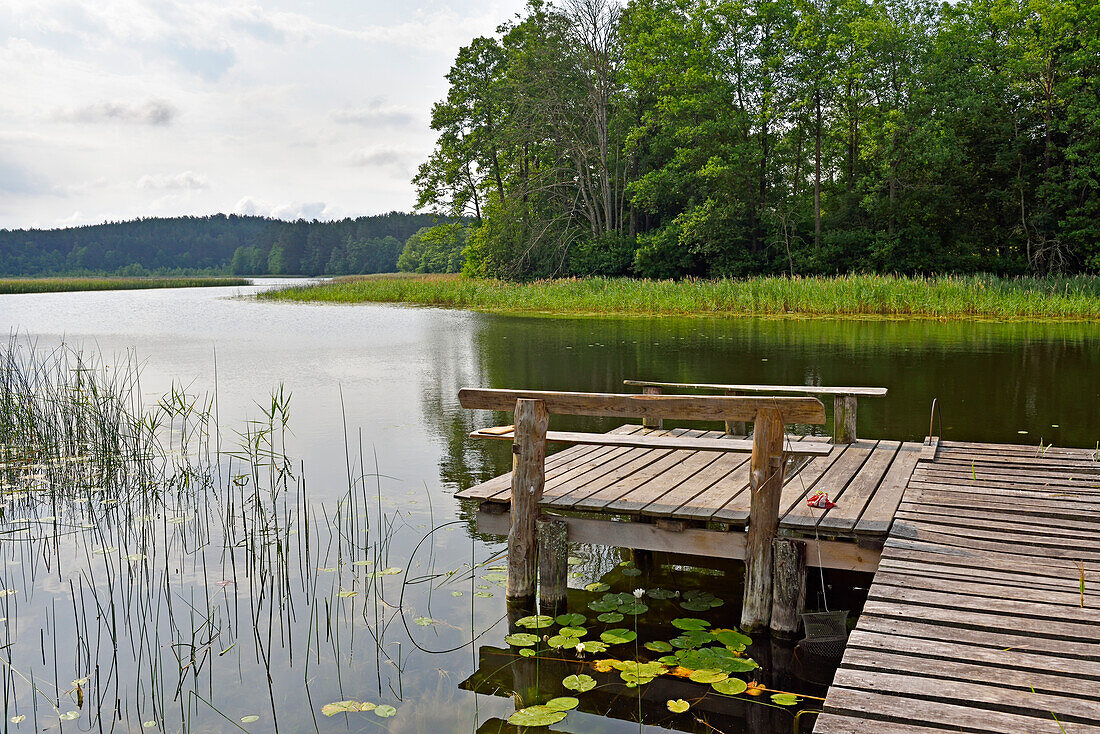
[[681, 500], [929, 449], [969, 560], [685, 467], [570, 494], [660, 442], [974, 616], [863, 392], [878, 514], [942, 715], [905, 531], [689, 541], [1029, 579], [852, 501], [836, 724], [805, 410], [1001, 519], [1037, 537], [1068, 596], [834, 481]]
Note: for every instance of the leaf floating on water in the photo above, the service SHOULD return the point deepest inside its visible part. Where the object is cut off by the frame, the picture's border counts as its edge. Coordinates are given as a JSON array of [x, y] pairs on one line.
[[522, 639], [708, 676], [456, 593], [559, 641], [481, 594], [610, 617], [496, 577], [249, 719], [603, 605], [570, 620], [593, 646], [563, 703], [362, 563], [678, 706], [604, 666], [385, 711], [527, 652], [597, 586], [328, 569], [104, 551], [690, 623], [660, 594], [135, 557], [536, 621], [573, 631], [73, 715], [424, 621], [632, 572], [145, 724], [580, 683], [658, 646], [18, 719], [733, 639], [785, 699], [536, 716], [730, 686], [344, 707], [392, 571], [634, 607], [618, 636]]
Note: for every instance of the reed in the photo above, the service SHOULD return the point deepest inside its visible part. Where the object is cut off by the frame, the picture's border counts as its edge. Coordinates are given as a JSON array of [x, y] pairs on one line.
[[1071, 298], [58, 285]]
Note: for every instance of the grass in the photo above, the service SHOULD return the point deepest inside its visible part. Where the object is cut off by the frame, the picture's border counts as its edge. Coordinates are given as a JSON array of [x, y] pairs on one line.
[[1074, 298], [57, 285]]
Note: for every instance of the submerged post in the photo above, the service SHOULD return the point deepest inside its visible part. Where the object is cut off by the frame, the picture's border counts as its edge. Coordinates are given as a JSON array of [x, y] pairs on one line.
[[528, 478], [648, 422], [736, 428], [553, 564], [844, 419], [765, 486], [788, 587]]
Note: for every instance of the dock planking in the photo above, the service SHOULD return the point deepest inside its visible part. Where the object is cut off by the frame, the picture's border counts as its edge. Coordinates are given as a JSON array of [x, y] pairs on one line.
[[984, 613]]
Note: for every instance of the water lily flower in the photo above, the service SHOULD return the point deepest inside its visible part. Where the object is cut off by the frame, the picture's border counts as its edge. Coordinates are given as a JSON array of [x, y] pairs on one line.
[[638, 593]]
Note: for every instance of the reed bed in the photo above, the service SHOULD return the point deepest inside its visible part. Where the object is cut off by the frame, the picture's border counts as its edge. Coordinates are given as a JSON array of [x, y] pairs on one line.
[[60, 285], [1073, 298]]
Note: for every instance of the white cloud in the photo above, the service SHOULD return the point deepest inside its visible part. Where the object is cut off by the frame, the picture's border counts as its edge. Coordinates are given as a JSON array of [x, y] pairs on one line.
[[151, 112], [249, 206], [187, 180], [375, 113]]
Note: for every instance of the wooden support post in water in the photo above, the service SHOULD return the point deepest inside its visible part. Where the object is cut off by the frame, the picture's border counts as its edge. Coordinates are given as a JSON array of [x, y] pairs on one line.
[[765, 486], [736, 428], [788, 587], [648, 422], [553, 564], [844, 419], [528, 478]]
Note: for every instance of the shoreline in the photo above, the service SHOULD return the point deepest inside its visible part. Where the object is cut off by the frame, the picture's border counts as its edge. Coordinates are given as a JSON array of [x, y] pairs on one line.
[[62, 284]]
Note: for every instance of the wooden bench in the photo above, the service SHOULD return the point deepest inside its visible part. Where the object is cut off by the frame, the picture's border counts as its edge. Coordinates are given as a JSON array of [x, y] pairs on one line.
[[845, 401], [535, 542]]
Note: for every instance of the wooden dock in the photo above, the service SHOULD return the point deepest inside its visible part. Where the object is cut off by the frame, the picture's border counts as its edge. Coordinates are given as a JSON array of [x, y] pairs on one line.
[[977, 619]]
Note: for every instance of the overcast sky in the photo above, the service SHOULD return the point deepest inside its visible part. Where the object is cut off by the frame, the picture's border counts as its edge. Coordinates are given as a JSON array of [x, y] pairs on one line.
[[116, 109]]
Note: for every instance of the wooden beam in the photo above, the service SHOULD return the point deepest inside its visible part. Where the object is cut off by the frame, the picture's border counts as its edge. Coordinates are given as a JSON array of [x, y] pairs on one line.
[[553, 564], [844, 419], [805, 410], [791, 444], [863, 392], [765, 487], [696, 542], [789, 588], [528, 480], [649, 422]]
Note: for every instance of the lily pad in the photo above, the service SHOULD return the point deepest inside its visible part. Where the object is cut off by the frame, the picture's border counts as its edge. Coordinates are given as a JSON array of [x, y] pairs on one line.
[[483, 594], [733, 639], [537, 621], [603, 605], [730, 686], [610, 617], [522, 639], [785, 699], [632, 572], [579, 683], [570, 620], [690, 623], [715, 658], [424, 621], [658, 646], [559, 641], [670, 660], [593, 646], [563, 703], [597, 586], [249, 719], [678, 706], [385, 711], [536, 716], [708, 676], [660, 593], [573, 631], [618, 636], [633, 607], [344, 707]]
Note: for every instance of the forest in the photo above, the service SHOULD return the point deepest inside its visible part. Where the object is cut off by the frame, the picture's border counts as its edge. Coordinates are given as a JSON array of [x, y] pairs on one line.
[[726, 138], [217, 244]]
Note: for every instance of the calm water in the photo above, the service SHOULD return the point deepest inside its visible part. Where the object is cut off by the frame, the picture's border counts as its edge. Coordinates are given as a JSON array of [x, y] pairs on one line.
[[374, 396]]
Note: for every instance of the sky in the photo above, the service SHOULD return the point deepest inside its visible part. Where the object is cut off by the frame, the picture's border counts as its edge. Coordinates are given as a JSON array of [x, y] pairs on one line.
[[117, 109]]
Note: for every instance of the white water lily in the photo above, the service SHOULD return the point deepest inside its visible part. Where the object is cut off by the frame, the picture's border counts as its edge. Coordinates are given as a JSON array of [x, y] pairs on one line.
[[638, 593]]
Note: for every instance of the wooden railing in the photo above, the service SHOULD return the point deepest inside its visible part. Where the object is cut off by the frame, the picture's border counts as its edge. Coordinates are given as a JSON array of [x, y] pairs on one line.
[[845, 401], [533, 540]]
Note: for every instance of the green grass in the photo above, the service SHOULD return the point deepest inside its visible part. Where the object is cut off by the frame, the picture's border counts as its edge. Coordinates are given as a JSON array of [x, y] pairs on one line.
[[856, 296], [55, 285]]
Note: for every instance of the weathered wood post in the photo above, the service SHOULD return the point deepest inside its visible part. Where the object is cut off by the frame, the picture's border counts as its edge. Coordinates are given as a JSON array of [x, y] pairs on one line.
[[788, 587], [647, 421], [553, 563], [844, 419], [765, 486], [528, 478], [736, 428]]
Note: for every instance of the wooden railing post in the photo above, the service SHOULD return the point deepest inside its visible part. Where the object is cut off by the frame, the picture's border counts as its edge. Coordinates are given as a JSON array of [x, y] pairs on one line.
[[648, 422], [528, 479], [736, 428], [765, 486], [844, 419]]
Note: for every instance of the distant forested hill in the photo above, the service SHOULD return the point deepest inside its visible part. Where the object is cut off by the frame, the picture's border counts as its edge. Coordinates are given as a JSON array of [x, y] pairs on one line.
[[214, 244]]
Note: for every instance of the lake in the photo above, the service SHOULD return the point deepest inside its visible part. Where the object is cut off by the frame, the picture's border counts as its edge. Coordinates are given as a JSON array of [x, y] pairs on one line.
[[358, 577]]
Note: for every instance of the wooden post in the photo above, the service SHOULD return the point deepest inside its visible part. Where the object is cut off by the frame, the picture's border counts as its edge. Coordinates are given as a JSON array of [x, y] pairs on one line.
[[765, 486], [736, 428], [553, 564], [844, 419], [789, 586], [528, 478], [648, 422]]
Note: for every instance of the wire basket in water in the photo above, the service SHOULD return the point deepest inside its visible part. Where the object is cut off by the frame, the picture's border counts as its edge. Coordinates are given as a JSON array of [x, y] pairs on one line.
[[826, 633]]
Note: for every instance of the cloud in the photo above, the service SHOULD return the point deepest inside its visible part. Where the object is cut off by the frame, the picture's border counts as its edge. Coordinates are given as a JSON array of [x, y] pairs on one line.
[[376, 113], [398, 160], [15, 179], [249, 206], [186, 181], [152, 112]]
